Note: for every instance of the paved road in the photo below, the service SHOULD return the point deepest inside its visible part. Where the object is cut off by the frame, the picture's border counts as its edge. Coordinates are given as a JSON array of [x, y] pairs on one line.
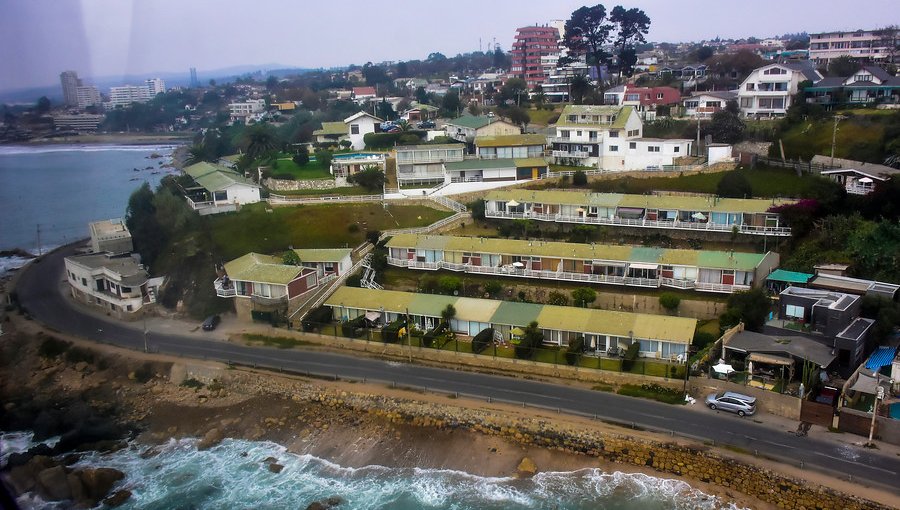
[[38, 292]]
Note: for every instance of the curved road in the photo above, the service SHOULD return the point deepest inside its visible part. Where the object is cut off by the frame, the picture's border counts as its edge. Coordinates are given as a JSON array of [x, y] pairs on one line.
[[38, 290]]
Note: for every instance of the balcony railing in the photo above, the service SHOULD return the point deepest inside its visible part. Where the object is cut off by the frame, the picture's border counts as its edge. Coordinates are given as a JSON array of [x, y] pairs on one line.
[[643, 223], [223, 289], [570, 154], [568, 276], [856, 189], [267, 300]]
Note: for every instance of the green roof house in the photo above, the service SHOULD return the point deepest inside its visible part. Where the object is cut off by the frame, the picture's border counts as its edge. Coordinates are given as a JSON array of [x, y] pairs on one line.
[[667, 212], [264, 287], [219, 189], [633, 266]]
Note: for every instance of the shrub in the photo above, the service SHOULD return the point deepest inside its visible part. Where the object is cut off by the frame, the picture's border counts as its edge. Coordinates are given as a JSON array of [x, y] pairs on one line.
[[493, 288], [302, 156], [79, 354], [631, 355], [579, 178], [531, 339], [373, 235], [477, 209], [584, 296], [381, 140], [669, 301], [354, 280], [483, 339], [192, 383], [316, 318], [734, 185], [435, 333], [557, 298], [449, 284], [353, 228], [53, 347], [654, 392], [370, 178], [391, 333], [353, 328], [144, 373], [575, 349], [323, 158], [702, 339]]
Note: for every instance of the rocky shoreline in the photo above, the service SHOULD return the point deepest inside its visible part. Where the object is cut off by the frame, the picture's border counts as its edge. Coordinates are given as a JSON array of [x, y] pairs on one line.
[[96, 397]]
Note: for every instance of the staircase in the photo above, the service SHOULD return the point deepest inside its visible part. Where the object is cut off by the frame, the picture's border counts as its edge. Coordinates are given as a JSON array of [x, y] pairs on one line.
[[321, 294], [368, 278]]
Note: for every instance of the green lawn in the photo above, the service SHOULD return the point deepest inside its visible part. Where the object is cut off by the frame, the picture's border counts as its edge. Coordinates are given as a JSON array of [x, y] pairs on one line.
[[766, 182], [311, 170], [262, 230], [542, 117]]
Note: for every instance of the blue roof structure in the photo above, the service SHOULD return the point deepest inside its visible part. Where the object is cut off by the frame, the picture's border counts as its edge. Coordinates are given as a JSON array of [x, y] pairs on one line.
[[782, 275], [882, 356]]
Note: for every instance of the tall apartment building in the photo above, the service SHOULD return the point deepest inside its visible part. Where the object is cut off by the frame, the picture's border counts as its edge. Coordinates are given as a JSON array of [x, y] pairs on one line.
[[70, 83], [156, 86], [530, 45], [194, 81], [87, 95], [127, 94], [864, 44]]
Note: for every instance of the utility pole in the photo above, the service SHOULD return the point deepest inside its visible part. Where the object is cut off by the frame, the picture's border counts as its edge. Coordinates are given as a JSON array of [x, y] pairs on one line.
[[879, 395], [146, 333], [39, 240]]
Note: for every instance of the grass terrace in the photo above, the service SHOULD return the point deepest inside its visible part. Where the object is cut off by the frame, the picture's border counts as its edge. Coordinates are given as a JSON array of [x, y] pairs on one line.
[[260, 229], [311, 170], [766, 182]]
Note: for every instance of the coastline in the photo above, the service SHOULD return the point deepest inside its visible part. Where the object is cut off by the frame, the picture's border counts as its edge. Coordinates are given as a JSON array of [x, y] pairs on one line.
[[357, 425], [109, 139]]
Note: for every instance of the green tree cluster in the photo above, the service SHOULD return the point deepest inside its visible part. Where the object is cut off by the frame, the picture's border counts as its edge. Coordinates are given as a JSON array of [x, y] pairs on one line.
[[532, 338], [750, 307]]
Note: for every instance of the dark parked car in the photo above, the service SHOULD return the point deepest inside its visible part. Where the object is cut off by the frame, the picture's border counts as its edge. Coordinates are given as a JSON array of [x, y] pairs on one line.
[[743, 405], [211, 322], [426, 124]]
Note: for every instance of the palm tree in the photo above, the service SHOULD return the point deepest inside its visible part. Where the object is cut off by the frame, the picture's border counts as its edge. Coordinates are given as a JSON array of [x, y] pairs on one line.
[[260, 140], [578, 88], [196, 154]]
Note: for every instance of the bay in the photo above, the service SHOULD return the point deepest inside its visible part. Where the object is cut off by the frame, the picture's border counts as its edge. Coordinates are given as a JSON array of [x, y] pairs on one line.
[[62, 188]]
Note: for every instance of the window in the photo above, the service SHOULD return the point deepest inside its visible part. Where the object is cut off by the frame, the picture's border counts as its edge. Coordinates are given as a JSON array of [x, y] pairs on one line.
[[126, 290], [794, 311], [714, 104], [691, 104], [653, 148], [676, 149], [632, 145], [613, 134], [775, 70], [578, 133], [862, 77], [659, 96], [84, 282], [634, 132], [130, 308], [746, 102], [354, 129], [564, 133], [751, 86], [329, 266], [613, 148]]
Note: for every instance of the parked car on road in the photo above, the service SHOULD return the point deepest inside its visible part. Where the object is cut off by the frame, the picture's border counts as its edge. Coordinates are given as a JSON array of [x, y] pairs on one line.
[[211, 322], [733, 402], [426, 124]]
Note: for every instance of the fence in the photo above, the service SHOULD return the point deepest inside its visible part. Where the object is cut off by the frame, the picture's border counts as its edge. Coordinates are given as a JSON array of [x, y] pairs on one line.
[[555, 356], [799, 165], [285, 199]]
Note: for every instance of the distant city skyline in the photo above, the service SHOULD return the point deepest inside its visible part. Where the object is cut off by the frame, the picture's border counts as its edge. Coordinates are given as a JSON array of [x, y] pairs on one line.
[[39, 39]]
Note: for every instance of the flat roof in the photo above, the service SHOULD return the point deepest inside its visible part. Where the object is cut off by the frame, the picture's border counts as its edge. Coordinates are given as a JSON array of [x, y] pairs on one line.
[[562, 318], [783, 275], [129, 270], [581, 251], [510, 140], [795, 346], [664, 202], [422, 147], [113, 228], [216, 177]]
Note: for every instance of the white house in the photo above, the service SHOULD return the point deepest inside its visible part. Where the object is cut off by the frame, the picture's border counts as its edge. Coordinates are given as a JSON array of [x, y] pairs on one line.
[[705, 104], [358, 126], [767, 92], [594, 135], [354, 128], [244, 110], [419, 164], [325, 261], [647, 153], [117, 284], [857, 177], [219, 189]]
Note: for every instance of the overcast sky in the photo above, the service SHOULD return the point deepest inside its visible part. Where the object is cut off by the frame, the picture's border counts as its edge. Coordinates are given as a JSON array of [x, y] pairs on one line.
[[41, 38]]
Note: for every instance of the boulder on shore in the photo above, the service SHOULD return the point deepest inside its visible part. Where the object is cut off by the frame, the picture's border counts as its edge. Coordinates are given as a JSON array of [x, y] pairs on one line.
[[527, 467], [213, 437], [117, 498]]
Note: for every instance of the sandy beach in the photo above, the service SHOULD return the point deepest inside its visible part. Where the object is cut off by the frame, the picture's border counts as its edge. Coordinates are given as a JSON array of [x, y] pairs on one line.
[[113, 139], [353, 425]]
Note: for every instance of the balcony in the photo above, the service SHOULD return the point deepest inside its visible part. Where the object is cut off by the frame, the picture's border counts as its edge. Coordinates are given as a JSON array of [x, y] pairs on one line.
[[859, 189], [643, 223], [570, 154], [268, 301], [224, 288]]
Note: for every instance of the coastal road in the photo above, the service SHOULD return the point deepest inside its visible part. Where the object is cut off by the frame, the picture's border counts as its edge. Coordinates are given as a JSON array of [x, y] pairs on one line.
[[38, 290]]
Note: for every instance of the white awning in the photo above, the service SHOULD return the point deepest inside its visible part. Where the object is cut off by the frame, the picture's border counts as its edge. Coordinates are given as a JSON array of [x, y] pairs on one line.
[[698, 216], [641, 265], [512, 203], [609, 263], [866, 180], [373, 316], [723, 368]]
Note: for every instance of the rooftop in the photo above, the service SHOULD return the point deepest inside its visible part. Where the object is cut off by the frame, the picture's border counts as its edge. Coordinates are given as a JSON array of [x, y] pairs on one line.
[[106, 229], [699, 258], [331, 129], [255, 267], [130, 272], [216, 177], [795, 346], [621, 114], [510, 140], [322, 254], [783, 275], [559, 318], [665, 202]]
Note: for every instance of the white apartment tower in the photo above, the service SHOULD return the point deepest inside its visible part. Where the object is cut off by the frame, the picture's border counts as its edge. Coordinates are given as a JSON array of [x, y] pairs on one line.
[[70, 83], [156, 86]]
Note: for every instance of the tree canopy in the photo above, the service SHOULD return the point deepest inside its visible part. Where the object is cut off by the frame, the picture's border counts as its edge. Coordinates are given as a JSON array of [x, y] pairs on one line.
[[587, 31]]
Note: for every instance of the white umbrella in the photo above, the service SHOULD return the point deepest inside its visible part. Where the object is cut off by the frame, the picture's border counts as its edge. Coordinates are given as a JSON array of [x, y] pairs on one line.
[[723, 368], [866, 180], [698, 216], [518, 265], [512, 203]]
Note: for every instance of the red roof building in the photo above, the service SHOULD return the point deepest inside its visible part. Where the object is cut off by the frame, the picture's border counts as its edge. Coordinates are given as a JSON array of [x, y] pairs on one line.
[[652, 96], [530, 45]]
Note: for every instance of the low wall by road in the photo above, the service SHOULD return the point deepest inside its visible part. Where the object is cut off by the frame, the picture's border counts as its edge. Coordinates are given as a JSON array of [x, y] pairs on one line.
[[300, 184]]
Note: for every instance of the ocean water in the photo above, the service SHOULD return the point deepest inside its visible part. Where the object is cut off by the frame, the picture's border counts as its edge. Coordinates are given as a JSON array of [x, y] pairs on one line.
[[64, 187], [234, 475]]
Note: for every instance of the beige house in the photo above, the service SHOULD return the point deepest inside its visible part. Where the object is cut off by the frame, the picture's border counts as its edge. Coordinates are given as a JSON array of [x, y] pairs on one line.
[[467, 128]]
